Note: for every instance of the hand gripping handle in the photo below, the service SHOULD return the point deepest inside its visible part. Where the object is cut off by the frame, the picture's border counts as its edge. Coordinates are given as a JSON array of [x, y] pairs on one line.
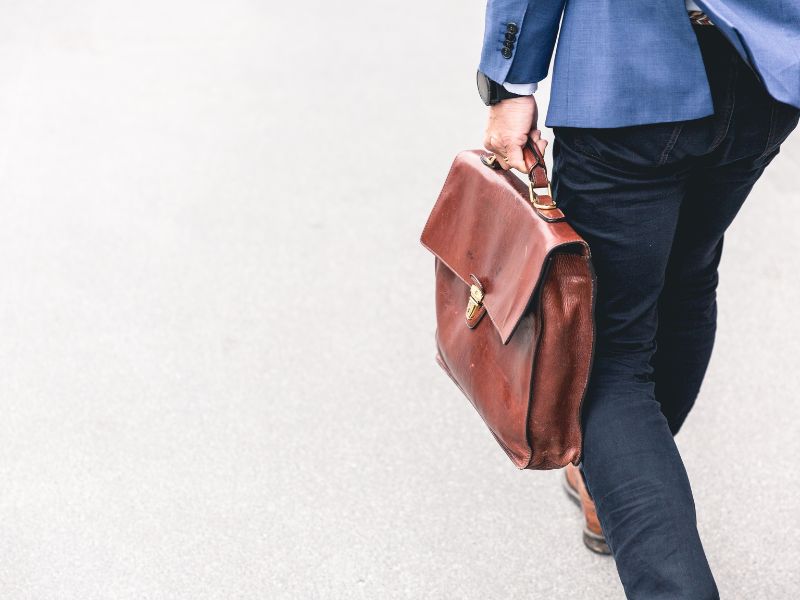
[[543, 204]]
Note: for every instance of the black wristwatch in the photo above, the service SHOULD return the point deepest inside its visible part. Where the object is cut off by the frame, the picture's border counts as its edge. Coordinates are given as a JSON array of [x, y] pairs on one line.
[[492, 92]]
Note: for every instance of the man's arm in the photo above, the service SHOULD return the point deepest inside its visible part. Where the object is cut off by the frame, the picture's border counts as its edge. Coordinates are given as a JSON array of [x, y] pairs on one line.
[[518, 39], [518, 43]]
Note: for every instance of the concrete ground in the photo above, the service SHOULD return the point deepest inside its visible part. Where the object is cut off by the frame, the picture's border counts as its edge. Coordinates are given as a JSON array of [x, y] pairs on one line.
[[217, 375]]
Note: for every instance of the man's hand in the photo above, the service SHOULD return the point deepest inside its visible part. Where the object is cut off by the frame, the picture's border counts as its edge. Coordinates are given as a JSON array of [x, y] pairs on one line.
[[511, 122]]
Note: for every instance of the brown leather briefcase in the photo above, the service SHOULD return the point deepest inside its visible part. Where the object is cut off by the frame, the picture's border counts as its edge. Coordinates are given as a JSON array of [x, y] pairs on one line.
[[515, 292]]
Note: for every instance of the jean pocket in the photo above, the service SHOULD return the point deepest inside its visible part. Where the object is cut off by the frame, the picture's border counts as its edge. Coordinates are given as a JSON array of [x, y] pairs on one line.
[[782, 121], [639, 145]]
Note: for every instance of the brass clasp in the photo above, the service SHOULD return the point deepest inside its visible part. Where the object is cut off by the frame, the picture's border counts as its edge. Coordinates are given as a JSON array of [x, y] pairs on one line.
[[475, 301]]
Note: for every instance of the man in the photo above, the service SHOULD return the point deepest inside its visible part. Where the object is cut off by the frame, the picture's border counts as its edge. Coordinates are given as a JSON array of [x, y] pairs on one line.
[[663, 119]]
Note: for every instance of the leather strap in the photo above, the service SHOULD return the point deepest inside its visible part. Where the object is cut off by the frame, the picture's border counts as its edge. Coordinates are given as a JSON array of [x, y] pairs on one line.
[[534, 163], [543, 204]]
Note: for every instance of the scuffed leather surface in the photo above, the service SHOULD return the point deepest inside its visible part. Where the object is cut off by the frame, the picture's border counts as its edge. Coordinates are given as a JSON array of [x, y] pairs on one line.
[[525, 368], [561, 370]]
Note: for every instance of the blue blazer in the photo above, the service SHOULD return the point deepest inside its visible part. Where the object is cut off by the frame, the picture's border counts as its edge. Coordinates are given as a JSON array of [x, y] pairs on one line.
[[630, 62]]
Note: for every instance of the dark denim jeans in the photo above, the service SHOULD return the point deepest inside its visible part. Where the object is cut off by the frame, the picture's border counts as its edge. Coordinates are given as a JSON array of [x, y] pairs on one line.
[[654, 202]]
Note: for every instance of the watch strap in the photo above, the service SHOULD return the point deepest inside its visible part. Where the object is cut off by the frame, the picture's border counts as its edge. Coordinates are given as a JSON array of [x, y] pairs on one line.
[[501, 93]]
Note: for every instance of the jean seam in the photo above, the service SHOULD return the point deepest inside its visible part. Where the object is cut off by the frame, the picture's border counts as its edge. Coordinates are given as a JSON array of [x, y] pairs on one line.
[[730, 93], [729, 112], [771, 135], [676, 132]]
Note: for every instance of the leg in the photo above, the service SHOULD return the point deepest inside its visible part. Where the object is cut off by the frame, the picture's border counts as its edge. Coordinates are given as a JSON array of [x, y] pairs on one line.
[[745, 135], [653, 202], [688, 305], [626, 204]]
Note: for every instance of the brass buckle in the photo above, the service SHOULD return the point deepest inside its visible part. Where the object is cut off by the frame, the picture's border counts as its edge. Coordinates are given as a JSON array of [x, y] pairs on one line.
[[475, 301], [535, 197], [490, 160]]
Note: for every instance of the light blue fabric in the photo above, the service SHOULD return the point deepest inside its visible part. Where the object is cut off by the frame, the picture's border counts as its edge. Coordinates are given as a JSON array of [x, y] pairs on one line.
[[630, 62]]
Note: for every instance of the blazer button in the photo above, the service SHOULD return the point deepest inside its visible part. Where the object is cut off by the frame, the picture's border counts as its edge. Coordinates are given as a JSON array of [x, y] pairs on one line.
[[511, 37], [506, 53], [512, 28], [509, 45]]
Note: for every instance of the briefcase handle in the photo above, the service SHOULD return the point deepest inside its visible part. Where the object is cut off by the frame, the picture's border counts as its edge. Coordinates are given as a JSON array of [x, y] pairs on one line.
[[537, 175]]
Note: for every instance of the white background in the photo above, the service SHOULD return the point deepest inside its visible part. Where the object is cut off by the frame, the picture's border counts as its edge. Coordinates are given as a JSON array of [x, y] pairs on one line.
[[216, 322]]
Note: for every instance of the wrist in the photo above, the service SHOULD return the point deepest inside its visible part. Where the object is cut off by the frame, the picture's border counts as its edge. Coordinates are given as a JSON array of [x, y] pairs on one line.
[[492, 92], [521, 104]]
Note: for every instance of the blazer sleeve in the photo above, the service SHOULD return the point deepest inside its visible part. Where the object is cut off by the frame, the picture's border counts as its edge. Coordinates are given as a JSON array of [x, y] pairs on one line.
[[519, 38]]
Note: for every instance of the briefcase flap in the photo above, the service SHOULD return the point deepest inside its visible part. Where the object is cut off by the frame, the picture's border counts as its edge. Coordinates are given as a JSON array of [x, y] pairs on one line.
[[483, 224]]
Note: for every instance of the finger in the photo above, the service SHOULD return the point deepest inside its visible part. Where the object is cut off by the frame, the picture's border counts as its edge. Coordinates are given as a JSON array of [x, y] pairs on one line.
[[515, 159], [490, 143], [503, 161], [502, 155]]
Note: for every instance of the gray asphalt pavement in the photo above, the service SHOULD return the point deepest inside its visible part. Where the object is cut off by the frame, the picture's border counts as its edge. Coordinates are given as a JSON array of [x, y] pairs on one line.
[[216, 359]]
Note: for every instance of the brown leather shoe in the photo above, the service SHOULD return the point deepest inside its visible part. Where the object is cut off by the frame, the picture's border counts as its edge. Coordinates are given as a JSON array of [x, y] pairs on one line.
[[576, 490]]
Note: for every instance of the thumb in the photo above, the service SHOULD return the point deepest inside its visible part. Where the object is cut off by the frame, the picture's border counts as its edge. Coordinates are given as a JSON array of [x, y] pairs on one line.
[[536, 138]]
